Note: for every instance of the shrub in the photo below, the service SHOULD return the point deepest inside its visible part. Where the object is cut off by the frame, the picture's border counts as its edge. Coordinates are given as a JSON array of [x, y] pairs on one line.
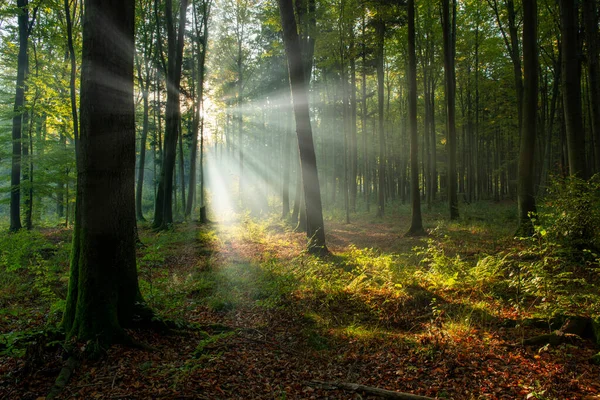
[[570, 213]]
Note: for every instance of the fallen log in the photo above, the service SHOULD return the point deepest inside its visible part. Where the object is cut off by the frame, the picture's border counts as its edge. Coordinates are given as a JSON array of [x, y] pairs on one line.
[[375, 391]]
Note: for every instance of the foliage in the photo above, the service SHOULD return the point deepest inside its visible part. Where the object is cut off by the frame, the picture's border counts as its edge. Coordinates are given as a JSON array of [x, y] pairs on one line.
[[570, 214]]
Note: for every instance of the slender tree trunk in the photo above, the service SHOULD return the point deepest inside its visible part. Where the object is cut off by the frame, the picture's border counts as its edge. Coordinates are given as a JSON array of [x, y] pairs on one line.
[[593, 66], [181, 167], [201, 44], [315, 231], [364, 129], [353, 128], [163, 213], [526, 191], [416, 226], [17, 122], [380, 31], [285, 184], [448, 27], [142, 163]]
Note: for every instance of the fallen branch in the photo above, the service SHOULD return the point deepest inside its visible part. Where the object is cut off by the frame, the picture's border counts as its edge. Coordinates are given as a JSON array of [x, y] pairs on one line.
[[63, 378], [355, 387]]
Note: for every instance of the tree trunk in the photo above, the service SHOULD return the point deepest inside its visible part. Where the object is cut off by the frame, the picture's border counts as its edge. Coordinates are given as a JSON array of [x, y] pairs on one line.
[[163, 212], [285, 157], [449, 29], [380, 31], [201, 45], [353, 128], [571, 88], [416, 226], [591, 34], [17, 122], [315, 231], [526, 191], [142, 163], [103, 289]]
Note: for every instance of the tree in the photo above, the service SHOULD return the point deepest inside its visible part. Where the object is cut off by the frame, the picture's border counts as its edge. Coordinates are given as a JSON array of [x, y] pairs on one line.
[[17, 122], [571, 88], [145, 79], [103, 295], [201, 38], [416, 226], [593, 67], [525, 190], [449, 29], [379, 61], [315, 228], [163, 211]]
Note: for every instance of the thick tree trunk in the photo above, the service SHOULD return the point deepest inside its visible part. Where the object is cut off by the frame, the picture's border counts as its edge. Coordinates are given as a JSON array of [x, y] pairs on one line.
[[416, 226], [526, 199], [571, 88], [103, 288], [315, 231]]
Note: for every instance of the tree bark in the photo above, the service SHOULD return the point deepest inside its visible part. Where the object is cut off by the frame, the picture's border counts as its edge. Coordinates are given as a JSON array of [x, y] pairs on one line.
[[593, 66], [163, 212], [571, 88], [315, 229], [449, 30], [201, 44], [17, 122], [416, 226], [380, 32], [526, 199], [103, 288]]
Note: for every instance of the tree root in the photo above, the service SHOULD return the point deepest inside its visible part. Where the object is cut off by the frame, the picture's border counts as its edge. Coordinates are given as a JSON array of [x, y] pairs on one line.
[[374, 391], [572, 329], [63, 378]]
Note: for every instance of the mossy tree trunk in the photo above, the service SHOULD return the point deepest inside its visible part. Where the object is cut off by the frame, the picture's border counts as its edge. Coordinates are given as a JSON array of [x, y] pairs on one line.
[[103, 288]]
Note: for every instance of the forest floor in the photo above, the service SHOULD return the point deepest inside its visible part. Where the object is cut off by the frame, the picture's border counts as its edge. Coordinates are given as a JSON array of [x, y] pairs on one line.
[[260, 319]]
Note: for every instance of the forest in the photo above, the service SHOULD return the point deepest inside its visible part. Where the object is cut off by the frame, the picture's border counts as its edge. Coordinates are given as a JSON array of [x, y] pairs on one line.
[[299, 199]]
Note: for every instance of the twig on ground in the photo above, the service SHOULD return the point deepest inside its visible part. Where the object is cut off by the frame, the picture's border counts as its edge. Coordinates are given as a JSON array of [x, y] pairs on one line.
[[355, 387]]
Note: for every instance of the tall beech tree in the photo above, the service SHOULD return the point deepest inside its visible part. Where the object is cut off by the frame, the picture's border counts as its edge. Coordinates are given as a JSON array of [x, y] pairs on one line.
[[163, 208], [103, 295], [201, 17], [146, 31], [449, 29], [416, 225], [590, 17], [379, 66], [315, 228], [571, 87], [525, 189], [17, 122]]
